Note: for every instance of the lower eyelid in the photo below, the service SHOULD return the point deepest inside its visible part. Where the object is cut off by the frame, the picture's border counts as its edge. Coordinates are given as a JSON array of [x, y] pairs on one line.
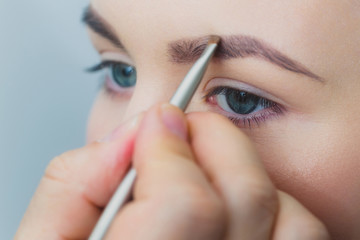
[[115, 91], [250, 120], [242, 121]]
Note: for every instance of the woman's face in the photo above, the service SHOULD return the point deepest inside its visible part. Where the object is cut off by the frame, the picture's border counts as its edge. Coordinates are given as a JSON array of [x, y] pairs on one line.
[[303, 57]]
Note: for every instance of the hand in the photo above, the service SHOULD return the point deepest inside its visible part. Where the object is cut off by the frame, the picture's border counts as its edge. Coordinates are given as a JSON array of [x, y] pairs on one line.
[[255, 209], [76, 187], [209, 185]]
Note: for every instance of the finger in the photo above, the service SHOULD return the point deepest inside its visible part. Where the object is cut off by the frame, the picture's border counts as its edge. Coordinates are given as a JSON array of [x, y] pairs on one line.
[[172, 198], [295, 222], [230, 161], [76, 186]]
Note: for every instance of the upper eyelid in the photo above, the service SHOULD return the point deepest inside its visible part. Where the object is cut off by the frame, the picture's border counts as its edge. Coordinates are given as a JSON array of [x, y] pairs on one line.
[[221, 90], [117, 57], [100, 66], [104, 64], [242, 86]]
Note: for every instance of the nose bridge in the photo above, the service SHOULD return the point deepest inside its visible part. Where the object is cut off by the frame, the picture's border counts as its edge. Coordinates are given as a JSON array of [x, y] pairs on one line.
[[147, 93]]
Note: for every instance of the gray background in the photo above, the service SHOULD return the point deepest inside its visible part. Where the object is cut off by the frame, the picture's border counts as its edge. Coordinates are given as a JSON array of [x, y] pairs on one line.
[[45, 95]]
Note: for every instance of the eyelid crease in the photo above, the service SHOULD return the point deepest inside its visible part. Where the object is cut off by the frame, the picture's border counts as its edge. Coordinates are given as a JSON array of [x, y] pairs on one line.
[[117, 57], [100, 66], [108, 63]]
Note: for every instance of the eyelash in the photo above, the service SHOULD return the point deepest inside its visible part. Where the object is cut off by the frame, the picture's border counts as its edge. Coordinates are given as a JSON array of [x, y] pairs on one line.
[[271, 109], [108, 80], [101, 66]]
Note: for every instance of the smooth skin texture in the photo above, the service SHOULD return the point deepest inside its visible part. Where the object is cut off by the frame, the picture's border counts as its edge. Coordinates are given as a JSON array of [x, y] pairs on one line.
[[295, 176]]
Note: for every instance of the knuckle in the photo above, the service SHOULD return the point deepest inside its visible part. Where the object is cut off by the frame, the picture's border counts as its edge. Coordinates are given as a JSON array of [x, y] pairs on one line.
[[66, 166], [198, 119], [181, 151], [59, 168], [165, 147], [258, 197], [156, 158], [202, 207]]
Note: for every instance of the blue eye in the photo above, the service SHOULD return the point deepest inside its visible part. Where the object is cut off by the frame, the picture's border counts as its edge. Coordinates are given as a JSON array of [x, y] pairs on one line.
[[237, 101], [241, 102], [242, 107], [122, 74]]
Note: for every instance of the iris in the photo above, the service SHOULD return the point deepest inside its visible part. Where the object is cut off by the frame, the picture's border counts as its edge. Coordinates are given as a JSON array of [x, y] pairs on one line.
[[124, 75], [241, 102]]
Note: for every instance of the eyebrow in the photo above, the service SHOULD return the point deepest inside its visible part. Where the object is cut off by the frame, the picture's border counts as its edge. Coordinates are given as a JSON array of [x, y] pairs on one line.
[[235, 46], [188, 50], [100, 26]]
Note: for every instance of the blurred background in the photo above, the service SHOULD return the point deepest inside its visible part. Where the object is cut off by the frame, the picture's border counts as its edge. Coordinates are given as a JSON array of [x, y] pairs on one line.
[[45, 95]]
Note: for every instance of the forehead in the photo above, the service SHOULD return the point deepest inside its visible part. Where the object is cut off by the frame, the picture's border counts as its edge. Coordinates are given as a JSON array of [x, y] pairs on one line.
[[215, 14], [301, 29]]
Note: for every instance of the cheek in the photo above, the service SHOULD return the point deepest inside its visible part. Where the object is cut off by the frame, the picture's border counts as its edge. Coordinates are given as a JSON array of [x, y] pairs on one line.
[[319, 166], [105, 116]]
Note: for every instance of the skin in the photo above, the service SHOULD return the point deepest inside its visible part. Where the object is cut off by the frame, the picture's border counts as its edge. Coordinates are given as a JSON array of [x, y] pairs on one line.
[[299, 170]]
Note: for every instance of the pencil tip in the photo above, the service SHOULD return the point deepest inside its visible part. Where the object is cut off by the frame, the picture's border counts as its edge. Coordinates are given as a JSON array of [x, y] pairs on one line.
[[214, 39]]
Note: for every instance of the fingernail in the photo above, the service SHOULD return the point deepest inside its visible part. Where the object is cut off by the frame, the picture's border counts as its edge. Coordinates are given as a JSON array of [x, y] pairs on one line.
[[129, 125], [173, 118]]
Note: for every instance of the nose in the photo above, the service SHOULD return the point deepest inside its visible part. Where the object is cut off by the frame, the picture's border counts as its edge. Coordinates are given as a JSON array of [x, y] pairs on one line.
[[147, 93]]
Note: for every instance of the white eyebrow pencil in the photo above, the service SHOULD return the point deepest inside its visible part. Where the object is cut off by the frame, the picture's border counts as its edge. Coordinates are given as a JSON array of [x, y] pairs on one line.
[[181, 99]]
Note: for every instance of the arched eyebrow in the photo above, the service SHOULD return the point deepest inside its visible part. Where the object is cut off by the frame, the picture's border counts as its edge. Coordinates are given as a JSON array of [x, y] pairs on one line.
[[188, 50], [101, 27], [235, 46]]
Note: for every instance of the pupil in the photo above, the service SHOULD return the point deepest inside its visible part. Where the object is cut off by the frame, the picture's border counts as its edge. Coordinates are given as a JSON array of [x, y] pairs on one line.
[[124, 75], [127, 71], [241, 102]]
